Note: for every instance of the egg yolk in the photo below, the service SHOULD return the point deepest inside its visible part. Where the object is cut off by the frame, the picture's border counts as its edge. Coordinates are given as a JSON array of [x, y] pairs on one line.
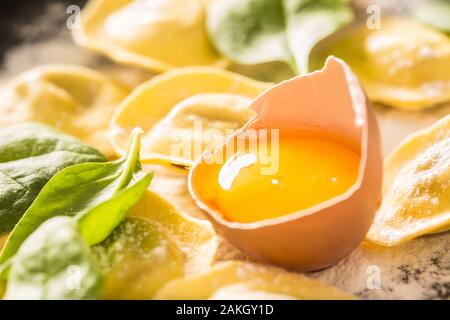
[[309, 170]]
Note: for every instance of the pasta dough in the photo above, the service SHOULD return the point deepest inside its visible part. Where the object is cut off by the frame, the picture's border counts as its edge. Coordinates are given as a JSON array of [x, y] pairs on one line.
[[154, 34], [403, 64], [238, 279], [416, 188], [155, 244], [180, 108], [74, 99]]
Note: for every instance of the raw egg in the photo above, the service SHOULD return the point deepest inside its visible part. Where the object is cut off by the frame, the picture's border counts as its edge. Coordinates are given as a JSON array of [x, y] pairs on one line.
[[303, 177], [299, 184]]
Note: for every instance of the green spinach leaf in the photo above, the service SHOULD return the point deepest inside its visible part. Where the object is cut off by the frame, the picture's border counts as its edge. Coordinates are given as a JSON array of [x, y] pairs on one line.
[[87, 191], [30, 154], [54, 263], [96, 224], [258, 31]]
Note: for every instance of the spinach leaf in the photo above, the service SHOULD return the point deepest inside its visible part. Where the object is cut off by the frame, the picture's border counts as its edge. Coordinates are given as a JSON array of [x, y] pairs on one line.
[[258, 31], [30, 154], [86, 191], [54, 263], [96, 224]]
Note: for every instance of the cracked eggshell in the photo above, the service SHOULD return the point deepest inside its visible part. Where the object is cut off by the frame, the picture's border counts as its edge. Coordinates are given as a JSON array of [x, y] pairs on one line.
[[171, 103], [403, 64], [317, 237]]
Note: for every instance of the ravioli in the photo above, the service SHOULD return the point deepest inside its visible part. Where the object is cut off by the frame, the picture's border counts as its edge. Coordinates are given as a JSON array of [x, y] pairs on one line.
[[244, 280], [153, 245], [154, 34], [74, 99], [416, 188], [403, 64], [183, 112]]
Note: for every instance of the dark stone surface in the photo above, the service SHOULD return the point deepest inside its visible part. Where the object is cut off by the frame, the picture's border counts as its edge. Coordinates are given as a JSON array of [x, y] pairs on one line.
[[19, 15]]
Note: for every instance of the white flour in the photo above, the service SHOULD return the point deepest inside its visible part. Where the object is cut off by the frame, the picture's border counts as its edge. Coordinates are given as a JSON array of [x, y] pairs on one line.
[[419, 269]]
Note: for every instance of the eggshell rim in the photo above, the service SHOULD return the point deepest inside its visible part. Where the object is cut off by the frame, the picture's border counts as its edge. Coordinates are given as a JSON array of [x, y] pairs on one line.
[[154, 157], [215, 215], [395, 101]]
